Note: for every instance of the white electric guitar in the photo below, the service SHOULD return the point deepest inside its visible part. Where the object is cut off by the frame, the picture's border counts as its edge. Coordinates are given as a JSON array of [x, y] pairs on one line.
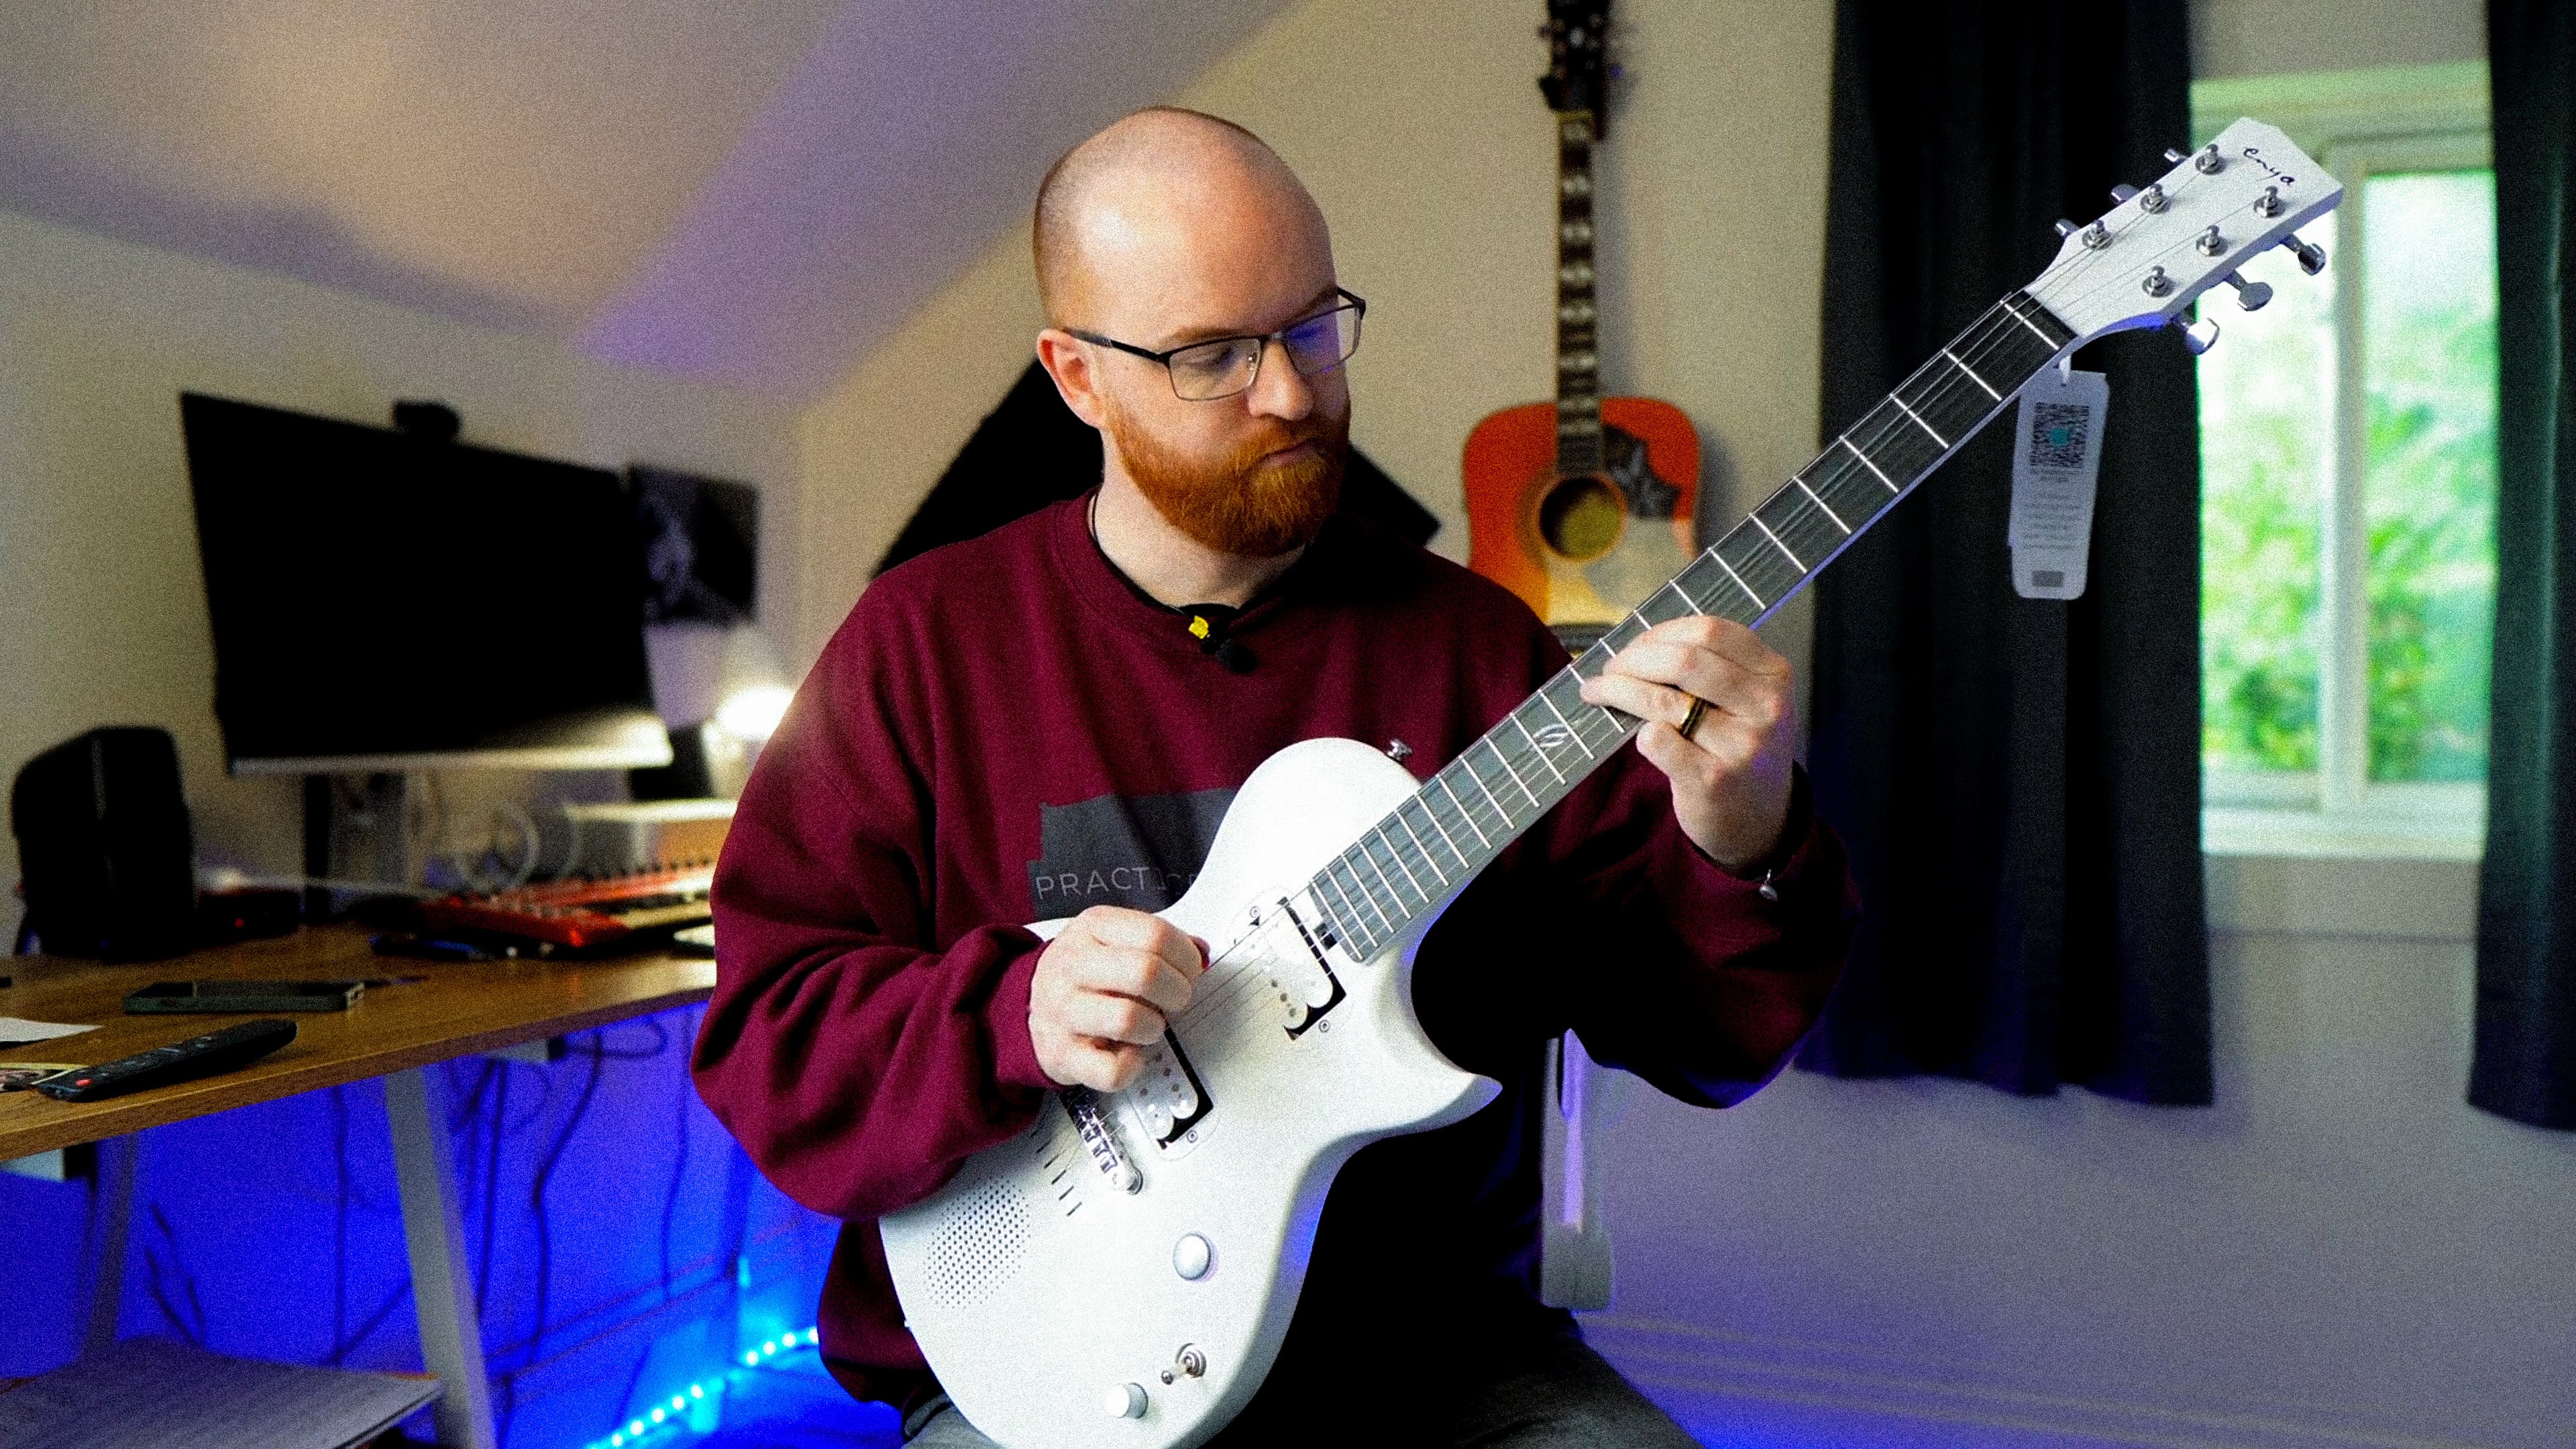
[[1120, 1274]]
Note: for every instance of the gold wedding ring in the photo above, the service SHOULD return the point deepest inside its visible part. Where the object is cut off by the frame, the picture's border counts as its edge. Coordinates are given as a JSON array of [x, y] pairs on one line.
[[1690, 721]]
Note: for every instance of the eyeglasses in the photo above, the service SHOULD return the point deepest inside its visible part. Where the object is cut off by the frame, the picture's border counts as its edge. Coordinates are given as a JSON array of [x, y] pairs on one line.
[[1223, 366]]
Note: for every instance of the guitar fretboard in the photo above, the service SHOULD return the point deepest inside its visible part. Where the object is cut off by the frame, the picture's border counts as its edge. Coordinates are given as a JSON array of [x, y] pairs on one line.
[[1412, 861], [1578, 354]]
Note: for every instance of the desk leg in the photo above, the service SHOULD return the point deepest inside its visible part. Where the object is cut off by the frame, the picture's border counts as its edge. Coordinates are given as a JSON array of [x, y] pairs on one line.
[[111, 1208], [442, 1281]]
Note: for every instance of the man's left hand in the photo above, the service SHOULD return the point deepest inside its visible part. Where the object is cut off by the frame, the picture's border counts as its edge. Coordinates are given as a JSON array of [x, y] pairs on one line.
[[1731, 777]]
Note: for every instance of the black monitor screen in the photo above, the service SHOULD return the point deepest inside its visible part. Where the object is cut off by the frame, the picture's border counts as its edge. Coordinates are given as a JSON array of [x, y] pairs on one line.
[[378, 597]]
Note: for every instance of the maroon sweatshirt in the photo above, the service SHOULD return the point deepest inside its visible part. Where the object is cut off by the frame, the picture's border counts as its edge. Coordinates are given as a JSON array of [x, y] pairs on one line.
[[1006, 730]]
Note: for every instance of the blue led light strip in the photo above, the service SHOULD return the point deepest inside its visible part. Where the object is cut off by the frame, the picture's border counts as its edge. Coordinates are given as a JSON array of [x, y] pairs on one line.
[[671, 1413]]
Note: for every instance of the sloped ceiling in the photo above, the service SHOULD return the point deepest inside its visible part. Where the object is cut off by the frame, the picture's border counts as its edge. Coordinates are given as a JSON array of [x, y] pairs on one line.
[[750, 193]]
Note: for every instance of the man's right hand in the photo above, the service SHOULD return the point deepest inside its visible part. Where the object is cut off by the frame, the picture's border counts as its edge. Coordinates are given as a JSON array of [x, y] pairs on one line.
[[1105, 990]]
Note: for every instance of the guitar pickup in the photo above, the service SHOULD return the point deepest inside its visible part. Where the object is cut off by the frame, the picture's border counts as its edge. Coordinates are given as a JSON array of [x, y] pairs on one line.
[[1168, 1098], [1323, 992]]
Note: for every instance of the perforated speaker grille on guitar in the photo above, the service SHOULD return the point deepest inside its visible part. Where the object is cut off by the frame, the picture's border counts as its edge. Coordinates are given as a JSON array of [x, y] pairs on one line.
[[979, 1248]]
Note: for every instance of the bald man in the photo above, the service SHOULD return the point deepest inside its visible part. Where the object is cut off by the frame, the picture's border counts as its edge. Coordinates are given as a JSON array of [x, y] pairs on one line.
[[1049, 722]]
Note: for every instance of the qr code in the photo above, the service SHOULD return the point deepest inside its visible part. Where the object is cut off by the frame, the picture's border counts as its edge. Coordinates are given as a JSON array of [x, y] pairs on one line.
[[2057, 435]]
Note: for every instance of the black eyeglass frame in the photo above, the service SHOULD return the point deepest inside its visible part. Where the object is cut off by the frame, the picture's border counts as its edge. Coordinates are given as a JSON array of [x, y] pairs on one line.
[[1351, 302]]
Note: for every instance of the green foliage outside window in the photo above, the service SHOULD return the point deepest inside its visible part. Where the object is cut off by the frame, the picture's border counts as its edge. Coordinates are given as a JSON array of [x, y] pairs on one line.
[[2430, 387], [2428, 493]]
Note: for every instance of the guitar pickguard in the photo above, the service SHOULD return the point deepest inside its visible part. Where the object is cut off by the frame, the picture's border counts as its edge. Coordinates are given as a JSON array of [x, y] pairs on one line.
[[1624, 457]]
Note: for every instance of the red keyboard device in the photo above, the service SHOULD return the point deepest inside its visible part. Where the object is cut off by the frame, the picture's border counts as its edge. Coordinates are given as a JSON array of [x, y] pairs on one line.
[[583, 912]]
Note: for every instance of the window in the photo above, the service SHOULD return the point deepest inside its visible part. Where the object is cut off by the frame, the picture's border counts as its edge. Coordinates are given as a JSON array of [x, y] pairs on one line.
[[2348, 484]]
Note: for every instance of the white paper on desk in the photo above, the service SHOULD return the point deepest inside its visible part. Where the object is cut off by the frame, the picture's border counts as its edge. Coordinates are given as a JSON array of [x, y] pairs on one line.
[[152, 1393], [18, 1031]]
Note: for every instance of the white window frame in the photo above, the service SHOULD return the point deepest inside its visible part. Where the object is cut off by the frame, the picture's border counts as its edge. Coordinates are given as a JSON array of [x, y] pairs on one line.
[[2357, 124]]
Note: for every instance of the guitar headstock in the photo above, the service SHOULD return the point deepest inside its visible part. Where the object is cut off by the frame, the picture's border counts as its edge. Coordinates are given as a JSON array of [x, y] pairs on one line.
[[1578, 76], [2144, 260]]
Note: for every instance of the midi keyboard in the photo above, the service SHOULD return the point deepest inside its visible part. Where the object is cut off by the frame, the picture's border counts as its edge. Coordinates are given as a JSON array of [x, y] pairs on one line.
[[584, 913]]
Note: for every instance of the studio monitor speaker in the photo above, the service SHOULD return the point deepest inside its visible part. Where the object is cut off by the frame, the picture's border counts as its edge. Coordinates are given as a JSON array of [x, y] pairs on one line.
[[104, 847]]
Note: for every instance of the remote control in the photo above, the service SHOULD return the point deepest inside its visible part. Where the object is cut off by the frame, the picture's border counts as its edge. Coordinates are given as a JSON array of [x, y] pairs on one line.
[[198, 1056]]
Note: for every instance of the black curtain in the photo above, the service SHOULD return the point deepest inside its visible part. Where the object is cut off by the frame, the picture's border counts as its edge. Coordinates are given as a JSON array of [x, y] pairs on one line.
[[2525, 1067], [2018, 780], [1031, 451]]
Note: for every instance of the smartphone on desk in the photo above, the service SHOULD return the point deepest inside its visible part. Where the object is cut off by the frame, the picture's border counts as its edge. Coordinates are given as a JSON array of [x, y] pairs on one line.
[[245, 996]]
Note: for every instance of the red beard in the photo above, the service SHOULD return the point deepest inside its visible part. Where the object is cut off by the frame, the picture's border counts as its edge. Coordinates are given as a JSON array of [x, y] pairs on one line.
[[1239, 504]]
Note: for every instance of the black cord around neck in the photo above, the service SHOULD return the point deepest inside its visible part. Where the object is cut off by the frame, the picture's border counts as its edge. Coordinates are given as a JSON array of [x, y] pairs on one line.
[[1210, 624]]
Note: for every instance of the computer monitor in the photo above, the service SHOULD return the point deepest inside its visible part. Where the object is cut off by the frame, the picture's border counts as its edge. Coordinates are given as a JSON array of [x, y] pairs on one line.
[[383, 601]]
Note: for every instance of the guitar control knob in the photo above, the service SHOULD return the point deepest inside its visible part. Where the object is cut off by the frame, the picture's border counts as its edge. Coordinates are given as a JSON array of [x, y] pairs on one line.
[[1192, 1257], [1124, 1401]]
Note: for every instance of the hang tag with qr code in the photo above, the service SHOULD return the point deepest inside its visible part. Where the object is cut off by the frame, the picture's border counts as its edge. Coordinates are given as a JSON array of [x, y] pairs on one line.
[[2054, 467]]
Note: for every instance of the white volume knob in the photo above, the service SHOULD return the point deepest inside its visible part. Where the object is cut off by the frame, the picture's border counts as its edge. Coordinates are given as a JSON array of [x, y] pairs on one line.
[[1191, 1256], [1124, 1401]]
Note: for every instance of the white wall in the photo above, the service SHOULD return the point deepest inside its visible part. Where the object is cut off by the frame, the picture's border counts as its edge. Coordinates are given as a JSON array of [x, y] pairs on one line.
[[2341, 1252], [103, 618]]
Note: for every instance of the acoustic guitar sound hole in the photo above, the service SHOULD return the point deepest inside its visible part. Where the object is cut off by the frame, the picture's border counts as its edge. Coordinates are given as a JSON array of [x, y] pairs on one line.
[[1581, 518]]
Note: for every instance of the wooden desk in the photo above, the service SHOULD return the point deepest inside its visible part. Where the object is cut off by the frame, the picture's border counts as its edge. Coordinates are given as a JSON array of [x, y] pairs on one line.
[[458, 1009]]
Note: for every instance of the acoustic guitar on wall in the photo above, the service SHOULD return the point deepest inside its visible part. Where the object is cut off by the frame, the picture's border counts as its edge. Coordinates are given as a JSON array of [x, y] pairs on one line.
[[1582, 506]]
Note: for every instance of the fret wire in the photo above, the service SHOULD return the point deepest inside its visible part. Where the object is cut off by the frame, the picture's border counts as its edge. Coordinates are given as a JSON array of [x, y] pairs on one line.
[[1675, 584], [1384, 879], [2036, 330], [1739, 579], [1899, 439], [1385, 895], [1570, 730], [2004, 345], [1862, 497], [1347, 913], [1821, 503], [1455, 853], [1363, 897], [1463, 813], [1584, 714], [1918, 420], [1697, 573], [1508, 770], [1972, 374], [1429, 861], [1398, 857], [1468, 760], [1865, 462], [1791, 528], [1386, 844], [1756, 517], [1515, 718], [1366, 899], [1623, 634]]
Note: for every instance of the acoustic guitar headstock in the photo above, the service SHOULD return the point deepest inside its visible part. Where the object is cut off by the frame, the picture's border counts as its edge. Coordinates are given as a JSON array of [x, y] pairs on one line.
[[1578, 70]]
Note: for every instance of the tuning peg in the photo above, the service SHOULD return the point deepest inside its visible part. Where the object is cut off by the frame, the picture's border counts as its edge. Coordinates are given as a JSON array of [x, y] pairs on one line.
[[2312, 258], [2174, 157], [2206, 161], [2249, 295], [2197, 337], [2121, 194], [2065, 228]]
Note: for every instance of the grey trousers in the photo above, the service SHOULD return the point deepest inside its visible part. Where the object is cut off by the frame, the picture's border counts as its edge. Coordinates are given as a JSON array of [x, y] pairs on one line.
[[1560, 1396]]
